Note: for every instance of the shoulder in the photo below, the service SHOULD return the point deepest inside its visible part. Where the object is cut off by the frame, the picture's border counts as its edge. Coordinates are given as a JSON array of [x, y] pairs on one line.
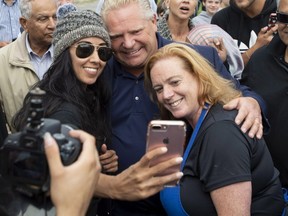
[[68, 113], [219, 128], [223, 12], [217, 113], [223, 16]]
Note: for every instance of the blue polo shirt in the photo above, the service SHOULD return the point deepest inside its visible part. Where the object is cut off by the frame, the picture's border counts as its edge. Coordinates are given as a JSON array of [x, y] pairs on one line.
[[131, 110]]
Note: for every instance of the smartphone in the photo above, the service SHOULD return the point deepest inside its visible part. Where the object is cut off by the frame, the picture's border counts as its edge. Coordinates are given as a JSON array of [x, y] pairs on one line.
[[272, 20], [169, 133]]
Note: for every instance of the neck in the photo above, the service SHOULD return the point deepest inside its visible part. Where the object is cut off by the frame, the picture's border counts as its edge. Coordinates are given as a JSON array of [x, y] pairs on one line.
[[179, 28], [193, 121], [8, 2], [39, 49]]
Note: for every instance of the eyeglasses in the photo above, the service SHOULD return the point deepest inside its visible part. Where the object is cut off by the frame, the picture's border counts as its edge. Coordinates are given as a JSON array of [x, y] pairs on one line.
[[282, 17], [84, 50]]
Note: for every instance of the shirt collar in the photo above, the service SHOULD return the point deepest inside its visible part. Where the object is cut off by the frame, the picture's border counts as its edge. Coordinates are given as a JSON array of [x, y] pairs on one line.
[[13, 2], [30, 51]]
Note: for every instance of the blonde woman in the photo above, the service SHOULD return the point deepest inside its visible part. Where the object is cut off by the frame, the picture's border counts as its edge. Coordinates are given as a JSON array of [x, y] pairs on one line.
[[225, 171]]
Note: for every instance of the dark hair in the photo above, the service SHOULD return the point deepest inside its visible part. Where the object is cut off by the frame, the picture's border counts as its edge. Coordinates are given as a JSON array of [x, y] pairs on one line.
[[62, 86]]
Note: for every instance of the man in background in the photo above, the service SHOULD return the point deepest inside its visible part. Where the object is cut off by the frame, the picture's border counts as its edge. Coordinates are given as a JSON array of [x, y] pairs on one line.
[[267, 74], [9, 21], [25, 61], [247, 23]]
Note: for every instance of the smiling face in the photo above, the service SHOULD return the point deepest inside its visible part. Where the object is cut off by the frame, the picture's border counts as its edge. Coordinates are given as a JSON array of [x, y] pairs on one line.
[[212, 6], [176, 88], [133, 37], [181, 9], [87, 70]]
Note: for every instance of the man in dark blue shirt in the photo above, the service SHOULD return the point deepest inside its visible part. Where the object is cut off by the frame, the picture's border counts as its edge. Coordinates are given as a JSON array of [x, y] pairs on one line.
[[133, 32]]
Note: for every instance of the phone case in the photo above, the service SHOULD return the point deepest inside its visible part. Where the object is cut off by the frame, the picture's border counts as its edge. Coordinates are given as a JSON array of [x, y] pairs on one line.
[[272, 20], [169, 133]]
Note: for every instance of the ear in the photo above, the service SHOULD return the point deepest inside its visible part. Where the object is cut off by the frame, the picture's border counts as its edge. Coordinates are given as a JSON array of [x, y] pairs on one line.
[[154, 21], [23, 22]]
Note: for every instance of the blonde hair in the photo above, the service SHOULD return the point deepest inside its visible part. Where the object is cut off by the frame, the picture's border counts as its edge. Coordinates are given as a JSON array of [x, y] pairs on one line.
[[144, 6], [212, 87]]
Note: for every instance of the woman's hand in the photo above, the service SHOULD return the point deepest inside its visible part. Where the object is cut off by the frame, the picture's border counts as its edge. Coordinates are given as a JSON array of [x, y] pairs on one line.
[[108, 160], [140, 180]]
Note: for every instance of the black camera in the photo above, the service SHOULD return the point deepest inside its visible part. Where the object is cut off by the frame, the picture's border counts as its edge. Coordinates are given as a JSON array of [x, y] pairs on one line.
[[23, 161]]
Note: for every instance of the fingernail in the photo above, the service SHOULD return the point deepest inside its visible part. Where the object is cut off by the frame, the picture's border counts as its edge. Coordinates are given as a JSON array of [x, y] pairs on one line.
[[179, 159], [164, 149], [179, 174], [48, 139]]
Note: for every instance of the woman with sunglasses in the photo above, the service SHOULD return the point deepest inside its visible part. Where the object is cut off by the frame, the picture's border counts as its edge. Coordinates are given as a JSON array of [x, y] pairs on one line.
[[75, 90]]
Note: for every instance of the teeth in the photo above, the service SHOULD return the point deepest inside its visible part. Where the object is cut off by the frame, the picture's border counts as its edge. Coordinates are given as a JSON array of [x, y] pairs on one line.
[[176, 103], [131, 53], [91, 69]]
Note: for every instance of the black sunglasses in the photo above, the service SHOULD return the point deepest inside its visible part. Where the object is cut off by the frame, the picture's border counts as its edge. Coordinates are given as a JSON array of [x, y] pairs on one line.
[[84, 50], [282, 17]]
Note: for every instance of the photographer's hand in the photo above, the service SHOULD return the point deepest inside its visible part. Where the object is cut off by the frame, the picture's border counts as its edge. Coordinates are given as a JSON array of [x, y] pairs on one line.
[[72, 186]]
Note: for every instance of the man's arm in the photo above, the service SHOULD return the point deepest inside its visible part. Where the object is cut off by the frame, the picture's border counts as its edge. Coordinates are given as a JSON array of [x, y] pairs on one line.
[[250, 107]]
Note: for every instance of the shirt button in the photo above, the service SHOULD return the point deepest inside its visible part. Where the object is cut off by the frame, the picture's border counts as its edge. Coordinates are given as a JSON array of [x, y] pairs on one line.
[[136, 98]]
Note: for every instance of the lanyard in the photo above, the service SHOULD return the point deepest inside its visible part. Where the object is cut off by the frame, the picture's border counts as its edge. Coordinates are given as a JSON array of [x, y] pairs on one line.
[[194, 134]]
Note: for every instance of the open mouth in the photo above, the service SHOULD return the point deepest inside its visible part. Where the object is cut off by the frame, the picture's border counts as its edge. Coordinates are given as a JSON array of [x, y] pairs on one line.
[[131, 53], [184, 9], [90, 70], [176, 103]]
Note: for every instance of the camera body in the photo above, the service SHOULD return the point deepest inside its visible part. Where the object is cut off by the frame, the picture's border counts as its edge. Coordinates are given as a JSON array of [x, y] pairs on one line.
[[23, 161]]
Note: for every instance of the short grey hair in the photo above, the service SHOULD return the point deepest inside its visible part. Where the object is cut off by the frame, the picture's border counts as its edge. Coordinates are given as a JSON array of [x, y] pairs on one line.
[[144, 6], [26, 8]]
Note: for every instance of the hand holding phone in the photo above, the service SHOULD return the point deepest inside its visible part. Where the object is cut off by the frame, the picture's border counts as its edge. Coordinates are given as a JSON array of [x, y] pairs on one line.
[[172, 135]]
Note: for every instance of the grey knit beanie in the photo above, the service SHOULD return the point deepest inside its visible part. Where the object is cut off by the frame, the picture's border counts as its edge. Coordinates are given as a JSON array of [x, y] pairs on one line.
[[76, 25]]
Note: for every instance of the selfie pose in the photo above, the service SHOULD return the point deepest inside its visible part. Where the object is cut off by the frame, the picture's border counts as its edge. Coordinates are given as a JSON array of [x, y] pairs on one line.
[[76, 95], [75, 91], [222, 165]]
